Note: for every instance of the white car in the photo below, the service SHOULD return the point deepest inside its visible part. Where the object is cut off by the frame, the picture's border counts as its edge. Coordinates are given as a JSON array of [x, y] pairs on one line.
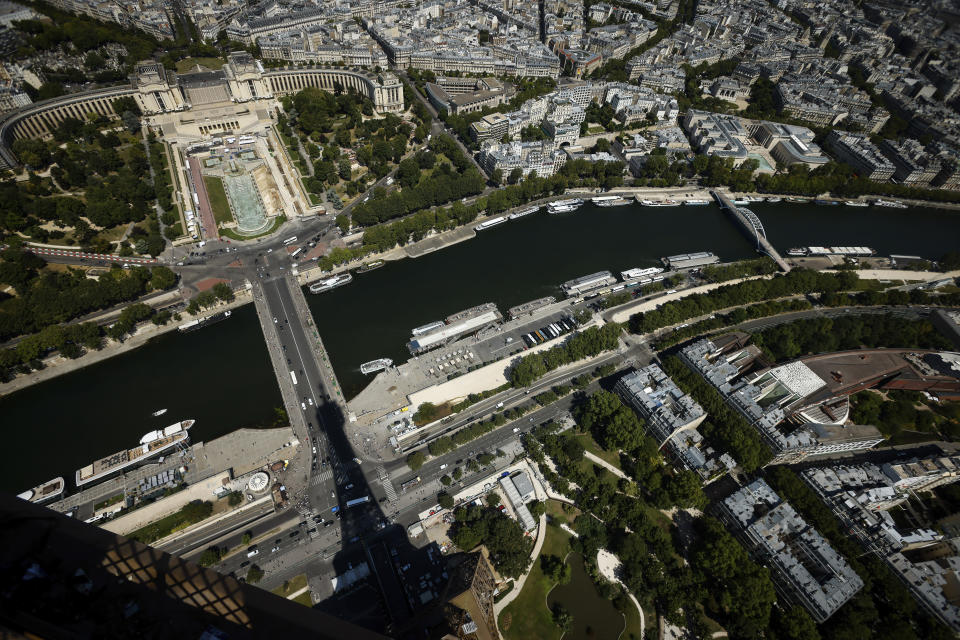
[[303, 405]]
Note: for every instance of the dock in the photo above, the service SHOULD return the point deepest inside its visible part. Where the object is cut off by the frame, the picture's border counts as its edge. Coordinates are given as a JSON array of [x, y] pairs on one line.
[[753, 227]]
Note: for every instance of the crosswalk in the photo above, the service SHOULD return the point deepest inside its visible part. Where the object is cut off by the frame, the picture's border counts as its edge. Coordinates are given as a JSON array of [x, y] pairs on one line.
[[323, 476], [387, 484]]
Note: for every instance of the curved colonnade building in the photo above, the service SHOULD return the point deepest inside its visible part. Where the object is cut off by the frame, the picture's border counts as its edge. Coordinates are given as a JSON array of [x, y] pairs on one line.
[[200, 103]]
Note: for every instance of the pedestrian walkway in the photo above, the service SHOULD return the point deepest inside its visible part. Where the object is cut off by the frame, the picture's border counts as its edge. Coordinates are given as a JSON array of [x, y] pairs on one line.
[[606, 465], [321, 477], [387, 483]]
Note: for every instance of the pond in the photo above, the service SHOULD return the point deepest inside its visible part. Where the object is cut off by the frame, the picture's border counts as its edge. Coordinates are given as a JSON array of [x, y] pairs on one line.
[[594, 617]]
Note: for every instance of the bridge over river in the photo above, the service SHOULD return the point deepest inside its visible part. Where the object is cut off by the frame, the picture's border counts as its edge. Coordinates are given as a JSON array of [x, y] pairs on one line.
[[754, 228]]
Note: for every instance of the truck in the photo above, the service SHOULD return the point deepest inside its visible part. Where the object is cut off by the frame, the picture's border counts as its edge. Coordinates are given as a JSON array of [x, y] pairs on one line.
[[356, 501]]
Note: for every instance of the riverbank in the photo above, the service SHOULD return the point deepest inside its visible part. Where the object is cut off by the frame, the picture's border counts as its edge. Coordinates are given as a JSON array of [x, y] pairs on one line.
[[57, 365]]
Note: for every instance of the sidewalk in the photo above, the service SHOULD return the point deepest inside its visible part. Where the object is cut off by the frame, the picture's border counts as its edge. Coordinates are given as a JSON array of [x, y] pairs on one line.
[[606, 465]]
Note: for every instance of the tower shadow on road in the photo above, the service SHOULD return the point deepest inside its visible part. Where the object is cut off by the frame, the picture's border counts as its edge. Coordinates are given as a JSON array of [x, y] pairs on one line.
[[384, 582]]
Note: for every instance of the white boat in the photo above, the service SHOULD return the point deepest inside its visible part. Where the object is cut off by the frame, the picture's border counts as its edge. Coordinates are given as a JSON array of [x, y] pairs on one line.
[[697, 202], [166, 431], [774, 199], [375, 365], [797, 252], [151, 444], [856, 203], [741, 201], [655, 203], [330, 283], [670, 203], [492, 222], [562, 208], [753, 198], [601, 199], [45, 492], [892, 204], [523, 212], [159, 412], [614, 202], [571, 201]]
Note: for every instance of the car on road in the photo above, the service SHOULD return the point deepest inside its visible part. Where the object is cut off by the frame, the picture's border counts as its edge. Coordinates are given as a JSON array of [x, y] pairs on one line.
[[244, 563], [303, 405], [252, 551], [274, 549], [274, 319]]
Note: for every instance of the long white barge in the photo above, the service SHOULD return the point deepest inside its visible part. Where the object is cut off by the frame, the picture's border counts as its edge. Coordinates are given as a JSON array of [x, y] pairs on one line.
[[523, 212], [492, 222], [49, 490], [331, 283], [151, 444]]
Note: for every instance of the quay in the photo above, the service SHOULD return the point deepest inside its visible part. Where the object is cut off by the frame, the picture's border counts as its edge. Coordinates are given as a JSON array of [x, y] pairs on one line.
[[753, 227]]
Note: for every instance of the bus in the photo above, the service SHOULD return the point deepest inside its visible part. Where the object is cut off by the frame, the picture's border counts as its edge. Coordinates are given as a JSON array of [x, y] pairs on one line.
[[293, 377], [356, 501], [410, 483], [289, 241], [296, 253]]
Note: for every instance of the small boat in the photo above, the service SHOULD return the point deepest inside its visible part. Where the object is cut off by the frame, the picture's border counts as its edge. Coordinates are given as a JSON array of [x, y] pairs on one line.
[[856, 203], [774, 200], [670, 203], [370, 266], [159, 412], [741, 201], [824, 201], [892, 204], [696, 202], [797, 200], [375, 365], [797, 252]]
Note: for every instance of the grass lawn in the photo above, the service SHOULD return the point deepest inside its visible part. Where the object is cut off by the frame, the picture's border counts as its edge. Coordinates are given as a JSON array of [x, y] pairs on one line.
[[528, 614], [230, 233], [557, 514], [591, 445], [218, 199], [291, 586], [188, 63], [633, 629], [304, 599], [912, 437]]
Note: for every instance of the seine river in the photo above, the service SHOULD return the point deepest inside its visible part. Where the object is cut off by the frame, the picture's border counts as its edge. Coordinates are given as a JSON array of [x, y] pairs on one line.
[[221, 375]]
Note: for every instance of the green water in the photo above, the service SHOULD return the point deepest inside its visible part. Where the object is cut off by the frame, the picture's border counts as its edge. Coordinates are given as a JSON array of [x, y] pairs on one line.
[[594, 617]]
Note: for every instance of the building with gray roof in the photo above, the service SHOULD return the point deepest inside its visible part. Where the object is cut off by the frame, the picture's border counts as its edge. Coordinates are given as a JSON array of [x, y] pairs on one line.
[[804, 567]]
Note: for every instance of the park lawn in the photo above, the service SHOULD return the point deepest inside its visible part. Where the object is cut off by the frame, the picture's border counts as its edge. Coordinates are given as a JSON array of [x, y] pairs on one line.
[[304, 599], [632, 628], [186, 64], [218, 199], [291, 586], [591, 445], [554, 509], [529, 615]]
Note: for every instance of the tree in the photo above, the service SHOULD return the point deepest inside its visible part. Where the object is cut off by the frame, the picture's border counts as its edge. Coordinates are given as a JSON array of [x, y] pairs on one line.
[[209, 557], [686, 490], [537, 508], [223, 291], [445, 500], [445, 480], [246, 538], [416, 459], [255, 574], [493, 499], [555, 568], [515, 176], [562, 617]]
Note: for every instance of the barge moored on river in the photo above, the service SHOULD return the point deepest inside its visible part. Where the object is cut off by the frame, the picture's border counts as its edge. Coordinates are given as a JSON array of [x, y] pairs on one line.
[[50, 490], [327, 284], [151, 444]]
